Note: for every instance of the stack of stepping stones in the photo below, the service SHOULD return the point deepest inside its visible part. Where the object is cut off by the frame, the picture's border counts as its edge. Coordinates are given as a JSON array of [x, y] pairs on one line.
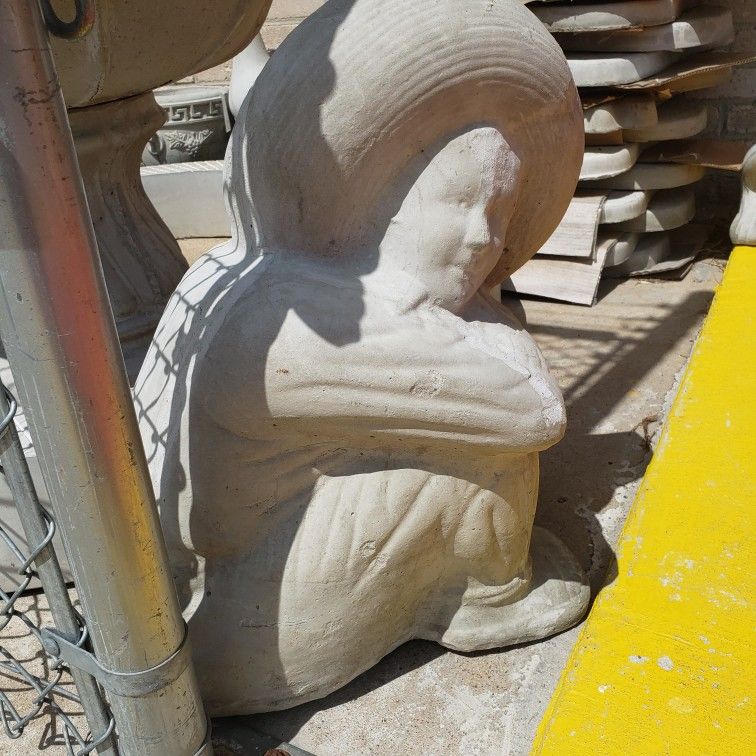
[[632, 61]]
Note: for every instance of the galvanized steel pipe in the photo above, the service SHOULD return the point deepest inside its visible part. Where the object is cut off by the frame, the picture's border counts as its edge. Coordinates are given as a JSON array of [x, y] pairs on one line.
[[58, 332]]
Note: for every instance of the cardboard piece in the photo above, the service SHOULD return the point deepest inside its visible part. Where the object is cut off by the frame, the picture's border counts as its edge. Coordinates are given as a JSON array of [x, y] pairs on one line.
[[608, 139], [692, 72], [708, 153], [566, 279], [575, 236]]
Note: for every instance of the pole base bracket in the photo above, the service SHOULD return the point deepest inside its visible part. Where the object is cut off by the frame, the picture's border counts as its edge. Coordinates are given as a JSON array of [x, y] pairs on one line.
[[129, 684]]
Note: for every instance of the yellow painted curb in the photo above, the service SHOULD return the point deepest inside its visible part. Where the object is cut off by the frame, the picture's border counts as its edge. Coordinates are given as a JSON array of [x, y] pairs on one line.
[[666, 663]]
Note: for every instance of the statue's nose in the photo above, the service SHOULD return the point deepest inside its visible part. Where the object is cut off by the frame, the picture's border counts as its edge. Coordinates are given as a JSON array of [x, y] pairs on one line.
[[478, 234]]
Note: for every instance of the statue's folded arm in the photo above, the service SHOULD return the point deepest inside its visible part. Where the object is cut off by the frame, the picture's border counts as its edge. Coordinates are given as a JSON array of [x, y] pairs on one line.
[[422, 376]]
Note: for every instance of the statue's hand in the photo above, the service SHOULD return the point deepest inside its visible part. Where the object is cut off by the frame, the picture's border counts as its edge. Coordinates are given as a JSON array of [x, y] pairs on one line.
[[493, 328]]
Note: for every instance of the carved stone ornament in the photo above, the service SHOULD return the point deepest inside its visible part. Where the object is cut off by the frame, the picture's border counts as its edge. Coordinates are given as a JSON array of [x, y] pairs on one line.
[[197, 123], [141, 260], [107, 76], [342, 425]]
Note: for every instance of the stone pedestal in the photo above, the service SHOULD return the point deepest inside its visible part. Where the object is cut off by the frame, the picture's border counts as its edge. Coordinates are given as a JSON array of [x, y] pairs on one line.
[[140, 258], [132, 48]]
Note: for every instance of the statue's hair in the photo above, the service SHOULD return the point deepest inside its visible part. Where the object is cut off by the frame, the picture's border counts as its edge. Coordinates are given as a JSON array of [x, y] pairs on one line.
[[355, 93]]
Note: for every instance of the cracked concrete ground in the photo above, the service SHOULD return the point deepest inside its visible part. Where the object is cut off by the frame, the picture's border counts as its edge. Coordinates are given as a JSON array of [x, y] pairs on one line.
[[45, 732], [617, 364]]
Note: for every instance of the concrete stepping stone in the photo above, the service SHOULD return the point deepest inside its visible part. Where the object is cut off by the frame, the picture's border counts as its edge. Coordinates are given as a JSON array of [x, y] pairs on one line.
[[623, 206], [668, 209], [582, 17], [633, 112], [649, 250], [613, 69], [677, 119], [619, 246], [697, 28], [189, 197], [604, 162], [650, 176]]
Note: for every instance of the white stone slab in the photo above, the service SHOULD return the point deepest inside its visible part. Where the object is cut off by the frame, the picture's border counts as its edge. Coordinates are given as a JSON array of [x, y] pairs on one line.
[[649, 176], [613, 69], [576, 233], [650, 250], [677, 119], [603, 162], [636, 112], [622, 206], [567, 279], [698, 28], [668, 209], [189, 197], [618, 247], [581, 17], [699, 80], [692, 71]]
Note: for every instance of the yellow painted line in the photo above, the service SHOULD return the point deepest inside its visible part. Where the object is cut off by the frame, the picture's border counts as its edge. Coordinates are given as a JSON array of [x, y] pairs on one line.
[[665, 663]]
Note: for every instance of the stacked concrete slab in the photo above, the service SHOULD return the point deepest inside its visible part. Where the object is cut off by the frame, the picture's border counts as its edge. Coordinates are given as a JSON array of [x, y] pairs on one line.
[[633, 62]]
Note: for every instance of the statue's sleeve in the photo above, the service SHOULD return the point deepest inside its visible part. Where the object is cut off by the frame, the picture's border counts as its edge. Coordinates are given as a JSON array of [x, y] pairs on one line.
[[421, 376]]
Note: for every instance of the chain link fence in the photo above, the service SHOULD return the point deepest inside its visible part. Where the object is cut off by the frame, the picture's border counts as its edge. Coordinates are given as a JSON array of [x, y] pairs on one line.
[[60, 340], [35, 685]]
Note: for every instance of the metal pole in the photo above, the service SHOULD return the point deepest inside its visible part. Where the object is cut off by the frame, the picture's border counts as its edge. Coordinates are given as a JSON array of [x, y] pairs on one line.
[[58, 331], [37, 527]]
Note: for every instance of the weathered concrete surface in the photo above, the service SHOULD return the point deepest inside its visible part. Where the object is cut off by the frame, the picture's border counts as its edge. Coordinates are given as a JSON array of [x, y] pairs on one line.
[[45, 733]]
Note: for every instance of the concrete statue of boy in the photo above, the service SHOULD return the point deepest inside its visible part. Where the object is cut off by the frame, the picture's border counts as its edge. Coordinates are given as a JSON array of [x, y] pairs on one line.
[[342, 426]]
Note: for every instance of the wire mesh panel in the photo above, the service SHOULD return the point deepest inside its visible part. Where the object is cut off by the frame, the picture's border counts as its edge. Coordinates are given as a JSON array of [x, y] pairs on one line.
[[35, 685]]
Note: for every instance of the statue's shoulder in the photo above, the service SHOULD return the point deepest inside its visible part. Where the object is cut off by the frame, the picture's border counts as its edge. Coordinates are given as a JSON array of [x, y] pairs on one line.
[[285, 340], [288, 307]]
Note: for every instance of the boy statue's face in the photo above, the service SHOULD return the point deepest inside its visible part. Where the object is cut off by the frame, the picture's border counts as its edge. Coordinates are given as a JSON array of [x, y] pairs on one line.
[[450, 229]]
